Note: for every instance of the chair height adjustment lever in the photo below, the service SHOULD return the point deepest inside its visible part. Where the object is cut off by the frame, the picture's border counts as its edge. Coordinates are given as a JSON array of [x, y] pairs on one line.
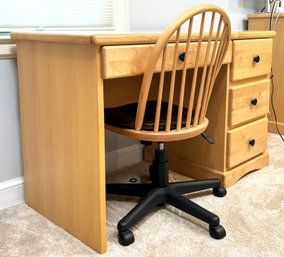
[[146, 143], [208, 138]]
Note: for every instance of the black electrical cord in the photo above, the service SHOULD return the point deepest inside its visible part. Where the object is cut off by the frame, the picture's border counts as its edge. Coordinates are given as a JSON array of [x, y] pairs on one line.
[[270, 2], [272, 105]]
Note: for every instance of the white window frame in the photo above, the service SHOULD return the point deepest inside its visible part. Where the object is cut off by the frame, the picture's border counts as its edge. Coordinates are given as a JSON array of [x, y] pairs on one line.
[[121, 25], [121, 21], [121, 15]]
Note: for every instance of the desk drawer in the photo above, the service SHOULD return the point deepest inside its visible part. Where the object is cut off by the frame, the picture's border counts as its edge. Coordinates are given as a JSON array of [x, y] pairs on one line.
[[251, 58], [245, 142], [248, 101], [131, 60]]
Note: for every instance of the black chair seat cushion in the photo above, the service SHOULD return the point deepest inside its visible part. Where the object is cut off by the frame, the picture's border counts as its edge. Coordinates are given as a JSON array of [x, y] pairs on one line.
[[124, 116]]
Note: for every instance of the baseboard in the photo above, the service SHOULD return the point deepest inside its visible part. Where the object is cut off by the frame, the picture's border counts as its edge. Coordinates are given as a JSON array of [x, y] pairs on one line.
[[124, 157], [272, 127], [11, 192], [7, 51]]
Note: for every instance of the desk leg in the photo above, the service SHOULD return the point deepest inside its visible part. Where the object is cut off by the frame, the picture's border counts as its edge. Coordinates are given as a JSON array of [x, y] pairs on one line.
[[62, 122]]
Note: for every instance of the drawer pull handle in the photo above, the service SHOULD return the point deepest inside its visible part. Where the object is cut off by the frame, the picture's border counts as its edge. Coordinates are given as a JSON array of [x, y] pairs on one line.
[[254, 101], [252, 142], [181, 56], [256, 59]]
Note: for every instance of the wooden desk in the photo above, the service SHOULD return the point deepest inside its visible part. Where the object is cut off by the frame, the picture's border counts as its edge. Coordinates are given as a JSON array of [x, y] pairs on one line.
[[261, 21], [66, 81]]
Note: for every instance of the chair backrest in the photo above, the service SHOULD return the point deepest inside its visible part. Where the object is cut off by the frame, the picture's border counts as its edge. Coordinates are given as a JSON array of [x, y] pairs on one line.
[[194, 91]]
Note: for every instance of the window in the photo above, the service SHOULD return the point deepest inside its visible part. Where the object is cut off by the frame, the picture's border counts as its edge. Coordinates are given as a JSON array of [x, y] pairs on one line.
[[106, 15]]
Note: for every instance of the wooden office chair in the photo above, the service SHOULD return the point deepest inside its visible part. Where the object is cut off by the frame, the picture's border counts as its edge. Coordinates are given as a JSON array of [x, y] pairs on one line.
[[175, 112]]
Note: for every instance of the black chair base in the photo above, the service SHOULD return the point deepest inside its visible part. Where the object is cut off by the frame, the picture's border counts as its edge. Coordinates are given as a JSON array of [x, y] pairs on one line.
[[161, 192]]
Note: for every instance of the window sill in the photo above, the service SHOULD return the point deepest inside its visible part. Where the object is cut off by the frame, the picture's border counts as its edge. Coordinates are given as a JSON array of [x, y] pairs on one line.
[[7, 48]]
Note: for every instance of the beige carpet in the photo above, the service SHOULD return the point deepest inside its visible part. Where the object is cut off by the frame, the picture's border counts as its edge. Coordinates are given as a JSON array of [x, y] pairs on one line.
[[252, 213]]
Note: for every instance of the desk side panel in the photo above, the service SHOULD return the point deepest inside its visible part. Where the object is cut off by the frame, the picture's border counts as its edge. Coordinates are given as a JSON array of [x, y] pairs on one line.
[[61, 102]]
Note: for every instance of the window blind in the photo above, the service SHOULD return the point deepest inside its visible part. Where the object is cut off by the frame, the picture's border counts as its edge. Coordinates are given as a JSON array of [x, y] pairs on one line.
[[56, 14]]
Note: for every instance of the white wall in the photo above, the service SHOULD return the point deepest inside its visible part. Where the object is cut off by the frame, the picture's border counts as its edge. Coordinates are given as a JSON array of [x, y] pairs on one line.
[[10, 154], [155, 15], [114, 141], [239, 9]]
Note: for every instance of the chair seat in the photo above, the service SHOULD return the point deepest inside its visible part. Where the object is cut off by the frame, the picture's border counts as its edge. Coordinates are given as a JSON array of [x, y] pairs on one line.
[[124, 116]]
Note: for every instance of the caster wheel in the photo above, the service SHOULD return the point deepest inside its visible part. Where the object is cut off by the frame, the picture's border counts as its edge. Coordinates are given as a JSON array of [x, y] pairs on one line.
[[217, 232], [125, 238], [219, 191]]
